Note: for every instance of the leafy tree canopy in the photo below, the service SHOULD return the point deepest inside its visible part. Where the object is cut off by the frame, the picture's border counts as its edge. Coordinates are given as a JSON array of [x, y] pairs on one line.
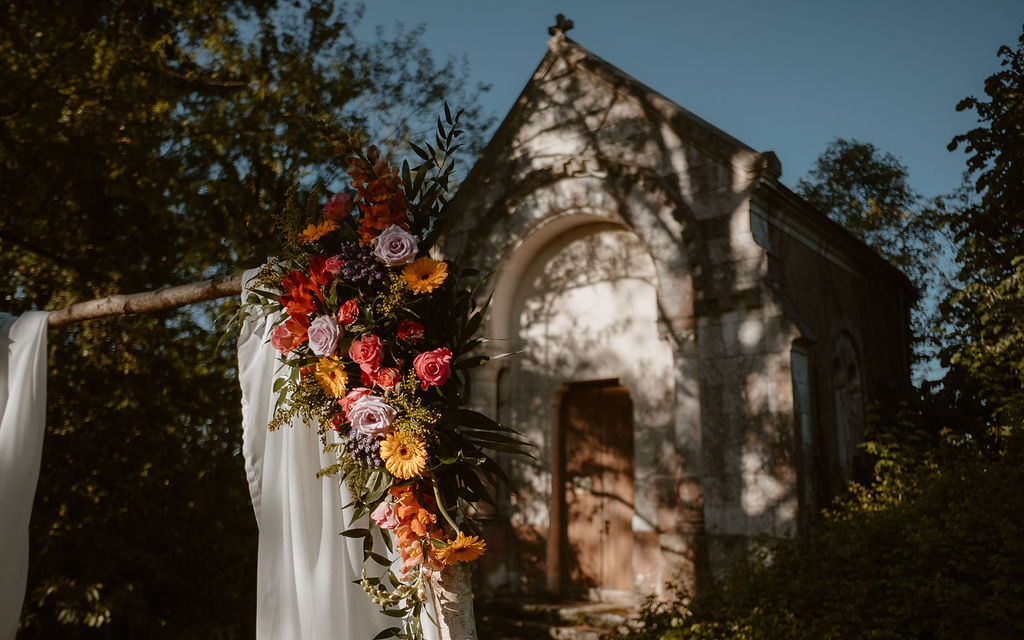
[[868, 192], [144, 144], [986, 344]]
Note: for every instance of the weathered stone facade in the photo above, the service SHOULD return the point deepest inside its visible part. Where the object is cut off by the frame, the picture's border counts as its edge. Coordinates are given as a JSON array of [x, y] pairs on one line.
[[648, 259]]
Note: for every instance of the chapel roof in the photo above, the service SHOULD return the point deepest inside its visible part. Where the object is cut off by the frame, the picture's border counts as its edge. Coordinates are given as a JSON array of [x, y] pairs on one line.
[[683, 122], [680, 119]]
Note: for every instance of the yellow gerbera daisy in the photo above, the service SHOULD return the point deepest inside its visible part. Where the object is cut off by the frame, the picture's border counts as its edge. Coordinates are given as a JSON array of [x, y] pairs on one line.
[[331, 376], [462, 549], [314, 232], [404, 457], [425, 274]]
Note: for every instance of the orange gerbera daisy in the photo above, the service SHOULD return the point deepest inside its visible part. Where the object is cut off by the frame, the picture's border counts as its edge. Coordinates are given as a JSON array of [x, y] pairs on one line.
[[462, 549], [314, 232], [425, 274], [404, 457], [331, 376]]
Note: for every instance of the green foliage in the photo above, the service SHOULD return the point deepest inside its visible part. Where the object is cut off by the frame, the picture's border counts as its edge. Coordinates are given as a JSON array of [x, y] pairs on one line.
[[986, 343], [146, 144], [868, 192], [932, 549]]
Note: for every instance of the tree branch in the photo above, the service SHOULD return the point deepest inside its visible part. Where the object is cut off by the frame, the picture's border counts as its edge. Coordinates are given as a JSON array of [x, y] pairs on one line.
[[171, 297]]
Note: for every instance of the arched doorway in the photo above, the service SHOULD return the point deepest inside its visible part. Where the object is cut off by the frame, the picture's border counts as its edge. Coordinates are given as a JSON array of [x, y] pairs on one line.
[[580, 303]]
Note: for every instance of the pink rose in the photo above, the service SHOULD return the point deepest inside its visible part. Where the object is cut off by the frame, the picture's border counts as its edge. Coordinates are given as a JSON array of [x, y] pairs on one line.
[[384, 515], [323, 335], [350, 399], [283, 340], [433, 367], [338, 206], [333, 264], [367, 353], [370, 415], [395, 246]]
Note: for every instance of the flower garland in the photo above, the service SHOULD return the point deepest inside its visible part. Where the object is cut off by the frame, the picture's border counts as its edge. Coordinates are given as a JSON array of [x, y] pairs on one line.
[[377, 335]]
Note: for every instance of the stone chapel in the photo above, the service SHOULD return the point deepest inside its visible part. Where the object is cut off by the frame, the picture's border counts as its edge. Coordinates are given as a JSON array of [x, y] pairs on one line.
[[696, 345]]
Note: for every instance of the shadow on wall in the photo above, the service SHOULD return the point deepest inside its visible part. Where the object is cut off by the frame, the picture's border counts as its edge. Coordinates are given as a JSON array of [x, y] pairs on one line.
[[664, 245]]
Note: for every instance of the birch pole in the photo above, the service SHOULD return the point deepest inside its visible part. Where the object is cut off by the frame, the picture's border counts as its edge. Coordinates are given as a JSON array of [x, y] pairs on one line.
[[452, 592], [452, 597], [167, 298]]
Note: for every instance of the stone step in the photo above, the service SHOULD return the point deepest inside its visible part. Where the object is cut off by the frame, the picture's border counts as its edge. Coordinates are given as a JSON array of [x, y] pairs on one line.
[[510, 620]]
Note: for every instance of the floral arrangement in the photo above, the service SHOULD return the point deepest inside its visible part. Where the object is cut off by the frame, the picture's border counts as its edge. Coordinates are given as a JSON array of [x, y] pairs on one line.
[[377, 336]]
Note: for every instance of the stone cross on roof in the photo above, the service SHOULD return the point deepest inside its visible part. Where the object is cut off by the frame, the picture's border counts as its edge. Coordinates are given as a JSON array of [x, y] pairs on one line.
[[561, 26]]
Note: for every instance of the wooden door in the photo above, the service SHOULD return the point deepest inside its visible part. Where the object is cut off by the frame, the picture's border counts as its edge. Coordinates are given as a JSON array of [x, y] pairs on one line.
[[596, 422]]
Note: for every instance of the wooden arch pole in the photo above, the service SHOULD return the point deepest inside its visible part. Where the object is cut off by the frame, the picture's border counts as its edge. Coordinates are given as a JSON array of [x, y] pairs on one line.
[[168, 298], [452, 591]]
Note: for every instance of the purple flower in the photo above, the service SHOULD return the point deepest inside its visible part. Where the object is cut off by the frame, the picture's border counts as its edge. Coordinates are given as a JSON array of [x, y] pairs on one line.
[[395, 246], [323, 335], [370, 415], [358, 264]]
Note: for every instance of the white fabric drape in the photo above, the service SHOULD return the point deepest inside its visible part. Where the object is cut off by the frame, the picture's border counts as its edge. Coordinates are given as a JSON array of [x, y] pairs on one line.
[[305, 569], [22, 422]]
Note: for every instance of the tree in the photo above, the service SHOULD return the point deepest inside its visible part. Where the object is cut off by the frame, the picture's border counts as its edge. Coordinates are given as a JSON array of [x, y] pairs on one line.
[[143, 145], [987, 338], [868, 192]]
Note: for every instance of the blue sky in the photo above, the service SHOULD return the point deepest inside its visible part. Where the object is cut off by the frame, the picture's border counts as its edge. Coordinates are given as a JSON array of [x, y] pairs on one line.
[[785, 76]]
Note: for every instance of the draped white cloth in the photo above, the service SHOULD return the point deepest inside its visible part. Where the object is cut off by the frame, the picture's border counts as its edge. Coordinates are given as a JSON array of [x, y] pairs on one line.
[[22, 423], [305, 568]]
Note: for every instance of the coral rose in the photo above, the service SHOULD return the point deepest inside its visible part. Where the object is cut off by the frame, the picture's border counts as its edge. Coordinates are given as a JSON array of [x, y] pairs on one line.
[[367, 353], [433, 367], [387, 377]]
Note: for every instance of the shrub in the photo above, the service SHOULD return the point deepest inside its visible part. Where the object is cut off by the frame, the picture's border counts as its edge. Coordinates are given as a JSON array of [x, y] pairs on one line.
[[933, 549]]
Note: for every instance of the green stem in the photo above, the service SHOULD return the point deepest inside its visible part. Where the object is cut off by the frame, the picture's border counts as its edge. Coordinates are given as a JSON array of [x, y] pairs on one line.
[[444, 511]]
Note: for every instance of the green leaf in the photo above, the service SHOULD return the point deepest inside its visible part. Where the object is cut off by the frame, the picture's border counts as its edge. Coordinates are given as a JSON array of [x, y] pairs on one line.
[[420, 152], [379, 559], [406, 179], [266, 294], [470, 418]]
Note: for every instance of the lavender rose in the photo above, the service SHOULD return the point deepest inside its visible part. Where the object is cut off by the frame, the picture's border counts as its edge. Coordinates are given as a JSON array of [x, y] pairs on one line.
[[395, 246], [370, 415], [323, 335]]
